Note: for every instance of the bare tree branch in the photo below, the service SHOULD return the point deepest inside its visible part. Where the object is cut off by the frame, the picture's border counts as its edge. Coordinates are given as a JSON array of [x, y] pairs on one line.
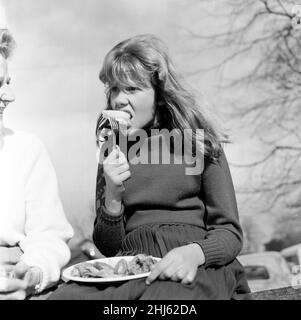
[[261, 36]]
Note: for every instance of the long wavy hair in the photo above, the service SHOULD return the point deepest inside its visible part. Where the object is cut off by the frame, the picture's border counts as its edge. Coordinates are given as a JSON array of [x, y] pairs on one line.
[[143, 61]]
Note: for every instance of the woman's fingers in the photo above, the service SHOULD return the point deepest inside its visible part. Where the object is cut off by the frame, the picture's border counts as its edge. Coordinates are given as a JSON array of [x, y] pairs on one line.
[[116, 157], [117, 166], [21, 269], [125, 176], [179, 275], [12, 285], [18, 295], [112, 157], [17, 281], [189, 278], [158, 271], [175, 273], [168, 276], [10, 255], [153, 276], [122, 168], [121, 156], [167, 270]]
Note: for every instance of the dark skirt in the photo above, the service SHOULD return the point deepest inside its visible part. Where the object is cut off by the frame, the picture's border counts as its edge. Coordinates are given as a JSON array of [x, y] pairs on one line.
[[211, 283]]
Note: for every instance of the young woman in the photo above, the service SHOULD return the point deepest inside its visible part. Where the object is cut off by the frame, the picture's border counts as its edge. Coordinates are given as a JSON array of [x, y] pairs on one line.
[[33, 228], [190, 221]]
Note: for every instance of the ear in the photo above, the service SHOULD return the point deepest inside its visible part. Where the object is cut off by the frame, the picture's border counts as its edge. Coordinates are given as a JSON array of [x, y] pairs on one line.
[[163, 72], [155, 121]]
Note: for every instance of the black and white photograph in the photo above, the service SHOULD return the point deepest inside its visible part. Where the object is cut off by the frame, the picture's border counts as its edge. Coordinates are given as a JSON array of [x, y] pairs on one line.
[[150, 151]]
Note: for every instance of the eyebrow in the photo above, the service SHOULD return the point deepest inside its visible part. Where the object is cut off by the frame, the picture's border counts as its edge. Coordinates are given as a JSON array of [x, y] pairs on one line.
[[8, 79]]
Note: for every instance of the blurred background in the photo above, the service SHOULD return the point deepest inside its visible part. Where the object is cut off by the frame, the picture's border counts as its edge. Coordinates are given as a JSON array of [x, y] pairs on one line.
[[242, 57]]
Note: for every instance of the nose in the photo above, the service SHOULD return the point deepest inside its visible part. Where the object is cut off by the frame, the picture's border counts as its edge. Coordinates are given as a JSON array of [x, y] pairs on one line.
[[6, 95], [120, 100]]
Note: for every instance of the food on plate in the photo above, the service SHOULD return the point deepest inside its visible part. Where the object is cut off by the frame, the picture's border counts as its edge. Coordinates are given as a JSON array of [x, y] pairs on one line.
[[141, 263], [93, 270], [121, 268], [109, 270]]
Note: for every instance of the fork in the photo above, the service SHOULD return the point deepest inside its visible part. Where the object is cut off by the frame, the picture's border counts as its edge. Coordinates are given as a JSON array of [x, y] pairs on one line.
[[107, 122], [115, 129], [102, 123]]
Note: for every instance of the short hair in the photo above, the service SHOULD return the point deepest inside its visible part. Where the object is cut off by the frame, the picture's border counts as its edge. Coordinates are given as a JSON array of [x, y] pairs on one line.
[[7, 43]]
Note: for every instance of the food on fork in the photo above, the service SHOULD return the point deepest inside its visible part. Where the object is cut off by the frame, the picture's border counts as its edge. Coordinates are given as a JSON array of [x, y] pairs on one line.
[[118, 115], [111, 120]]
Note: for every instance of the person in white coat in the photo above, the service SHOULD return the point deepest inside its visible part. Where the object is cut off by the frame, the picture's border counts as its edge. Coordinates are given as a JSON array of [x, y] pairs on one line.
[[34, 230]]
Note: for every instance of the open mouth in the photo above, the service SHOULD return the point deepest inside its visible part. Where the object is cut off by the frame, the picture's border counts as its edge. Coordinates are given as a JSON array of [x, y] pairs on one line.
[[126, 111]]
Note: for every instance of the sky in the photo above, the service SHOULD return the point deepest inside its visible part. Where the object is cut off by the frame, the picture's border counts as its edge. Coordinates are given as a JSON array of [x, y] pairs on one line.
[[54, 70]]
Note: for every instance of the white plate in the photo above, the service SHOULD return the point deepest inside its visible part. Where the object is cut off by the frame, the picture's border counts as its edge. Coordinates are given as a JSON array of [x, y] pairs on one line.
[[111, 261]]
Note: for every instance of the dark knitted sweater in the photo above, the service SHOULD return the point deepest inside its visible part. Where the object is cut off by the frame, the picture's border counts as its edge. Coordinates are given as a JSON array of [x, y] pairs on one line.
[[163, 193]]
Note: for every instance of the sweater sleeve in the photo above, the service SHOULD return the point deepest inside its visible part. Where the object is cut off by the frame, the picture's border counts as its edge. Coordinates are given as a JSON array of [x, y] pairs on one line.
[[108, 231], [223, 240], [46, 228]]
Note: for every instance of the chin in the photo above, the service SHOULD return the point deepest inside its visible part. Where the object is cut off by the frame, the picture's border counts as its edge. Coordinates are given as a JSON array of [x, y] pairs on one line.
[[131, 131]]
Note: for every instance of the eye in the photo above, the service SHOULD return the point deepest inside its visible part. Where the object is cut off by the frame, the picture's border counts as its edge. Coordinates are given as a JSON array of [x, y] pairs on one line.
[[114, 89], [131, 89], [2, 81]]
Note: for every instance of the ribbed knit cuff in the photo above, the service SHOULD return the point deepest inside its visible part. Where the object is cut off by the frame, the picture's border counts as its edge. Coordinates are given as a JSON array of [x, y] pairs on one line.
[[44, 281], [107, 217], [213, 251]]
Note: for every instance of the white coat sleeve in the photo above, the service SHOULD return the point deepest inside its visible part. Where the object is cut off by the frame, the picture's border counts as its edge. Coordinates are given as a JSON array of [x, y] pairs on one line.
[[47, 230]]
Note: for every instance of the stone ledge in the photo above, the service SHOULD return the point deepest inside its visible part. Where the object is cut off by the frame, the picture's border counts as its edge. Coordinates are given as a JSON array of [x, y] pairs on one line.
[[287, 293]]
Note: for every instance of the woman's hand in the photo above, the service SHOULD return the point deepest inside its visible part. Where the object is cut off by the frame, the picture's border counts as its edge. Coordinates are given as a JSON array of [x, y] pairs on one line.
[[180, 264], [10, 255], [116, 171], [23, 284]]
